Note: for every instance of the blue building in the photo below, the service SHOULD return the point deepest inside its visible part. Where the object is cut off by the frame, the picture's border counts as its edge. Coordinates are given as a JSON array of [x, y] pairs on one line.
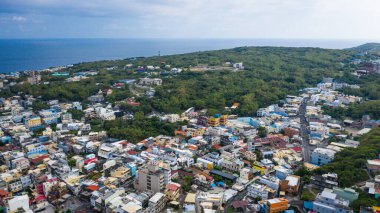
[[6, 139], [36, 149], [132, 168]]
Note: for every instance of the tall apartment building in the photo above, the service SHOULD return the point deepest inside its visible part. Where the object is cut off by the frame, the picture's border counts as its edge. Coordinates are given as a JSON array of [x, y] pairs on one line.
[[151, 178]]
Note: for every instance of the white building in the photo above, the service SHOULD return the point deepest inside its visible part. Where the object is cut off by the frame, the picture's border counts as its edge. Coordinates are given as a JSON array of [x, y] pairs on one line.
[[19, 202], [321, 156], [327, 201], [157, 202], [150, 81], [258, 190]]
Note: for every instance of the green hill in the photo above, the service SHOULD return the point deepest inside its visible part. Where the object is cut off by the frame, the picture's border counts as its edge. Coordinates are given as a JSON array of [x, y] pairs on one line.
[[368, 47]]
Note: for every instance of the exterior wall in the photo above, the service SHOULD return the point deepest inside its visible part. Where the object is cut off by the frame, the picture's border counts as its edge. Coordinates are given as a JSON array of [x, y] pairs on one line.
[[280, 206], [320, 159], [150, 181], [256, 191]]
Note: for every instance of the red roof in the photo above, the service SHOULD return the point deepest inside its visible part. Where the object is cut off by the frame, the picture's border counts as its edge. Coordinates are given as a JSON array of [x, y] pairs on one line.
[[39, 159], [52, 180], [132, 152], [92, 187], [297, 149], [172, 187], [39, 198], [3, 193], [124, 143], [216, 146], [183, 173], [90, 160]]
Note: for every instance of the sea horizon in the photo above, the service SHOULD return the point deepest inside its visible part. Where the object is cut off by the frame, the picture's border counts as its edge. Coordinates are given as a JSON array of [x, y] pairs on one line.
[[40, 53]]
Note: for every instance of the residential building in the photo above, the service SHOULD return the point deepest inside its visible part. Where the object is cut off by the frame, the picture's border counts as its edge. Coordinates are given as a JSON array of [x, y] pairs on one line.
[[150, 81], [346, 193], [322, 156], [373, 165], [35, 149], [20, 163], [234, 166], [150, 178], [33, 122], [210, 201], [157, 203], [275, 205], [18, 203], [34, 79], [214, 121], [258, 191], [291, 184], [246, 173], [172, 191], [329, 180], [328, 202]]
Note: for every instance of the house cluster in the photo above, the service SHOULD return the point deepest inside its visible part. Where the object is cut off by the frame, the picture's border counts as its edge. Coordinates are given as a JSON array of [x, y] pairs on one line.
[[367, 67], [55, 157], [330, 198]]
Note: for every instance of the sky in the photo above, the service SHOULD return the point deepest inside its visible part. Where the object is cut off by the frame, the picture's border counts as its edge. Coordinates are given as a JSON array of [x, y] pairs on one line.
[[270, 19]]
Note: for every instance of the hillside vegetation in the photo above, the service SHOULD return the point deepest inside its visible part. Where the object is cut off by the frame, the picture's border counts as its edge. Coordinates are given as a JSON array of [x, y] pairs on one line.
[[270, 73], [350, 163], [368, 47]]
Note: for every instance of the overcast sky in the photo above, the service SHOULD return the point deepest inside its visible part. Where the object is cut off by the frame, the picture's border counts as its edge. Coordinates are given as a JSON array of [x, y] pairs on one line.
[[309, 19]]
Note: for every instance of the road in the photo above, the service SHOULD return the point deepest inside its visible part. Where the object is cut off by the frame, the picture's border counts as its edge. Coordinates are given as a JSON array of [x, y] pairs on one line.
[[239, 196], [306, 149]]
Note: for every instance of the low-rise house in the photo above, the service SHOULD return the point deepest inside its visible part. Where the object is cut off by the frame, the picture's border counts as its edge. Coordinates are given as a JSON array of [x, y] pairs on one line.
[[208, 201], [274, 205], [157, 203], [373, 165], [172, 191], [291, 184], [328, 201], [346, 193], [329, 180], [20, 163], [259, 191], [19, 203], [150, 81]]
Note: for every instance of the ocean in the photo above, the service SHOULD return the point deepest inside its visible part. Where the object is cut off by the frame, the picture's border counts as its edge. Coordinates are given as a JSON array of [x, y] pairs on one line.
[[34, 54]]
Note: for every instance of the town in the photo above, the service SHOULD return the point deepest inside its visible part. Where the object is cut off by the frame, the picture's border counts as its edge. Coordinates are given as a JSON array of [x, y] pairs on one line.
[[55, 158]]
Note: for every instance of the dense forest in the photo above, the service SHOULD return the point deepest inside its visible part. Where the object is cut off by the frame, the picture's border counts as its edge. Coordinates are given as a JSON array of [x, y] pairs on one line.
[[355, 111], [270, 73]]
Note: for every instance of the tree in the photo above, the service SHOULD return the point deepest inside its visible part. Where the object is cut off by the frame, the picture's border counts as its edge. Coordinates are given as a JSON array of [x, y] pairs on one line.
[[76, 114], [262, 132], [72, 162]]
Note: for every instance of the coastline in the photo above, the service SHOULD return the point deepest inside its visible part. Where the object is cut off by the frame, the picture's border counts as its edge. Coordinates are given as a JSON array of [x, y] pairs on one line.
[[20, 55]]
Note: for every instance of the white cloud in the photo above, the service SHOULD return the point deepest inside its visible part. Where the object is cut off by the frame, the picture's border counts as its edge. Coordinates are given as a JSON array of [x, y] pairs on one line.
[[18, 18], [344, 19]]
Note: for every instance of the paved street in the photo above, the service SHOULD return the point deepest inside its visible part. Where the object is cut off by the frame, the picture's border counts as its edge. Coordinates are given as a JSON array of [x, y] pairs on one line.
[[304, 133], [239, 196]]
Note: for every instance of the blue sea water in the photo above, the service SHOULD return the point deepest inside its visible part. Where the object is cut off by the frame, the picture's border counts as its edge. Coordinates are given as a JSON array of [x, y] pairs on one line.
[[34, 54]]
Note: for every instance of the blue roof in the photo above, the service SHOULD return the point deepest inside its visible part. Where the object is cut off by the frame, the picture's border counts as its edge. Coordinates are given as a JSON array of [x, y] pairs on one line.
[[279, 113], [315, 135], [308, 204]]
